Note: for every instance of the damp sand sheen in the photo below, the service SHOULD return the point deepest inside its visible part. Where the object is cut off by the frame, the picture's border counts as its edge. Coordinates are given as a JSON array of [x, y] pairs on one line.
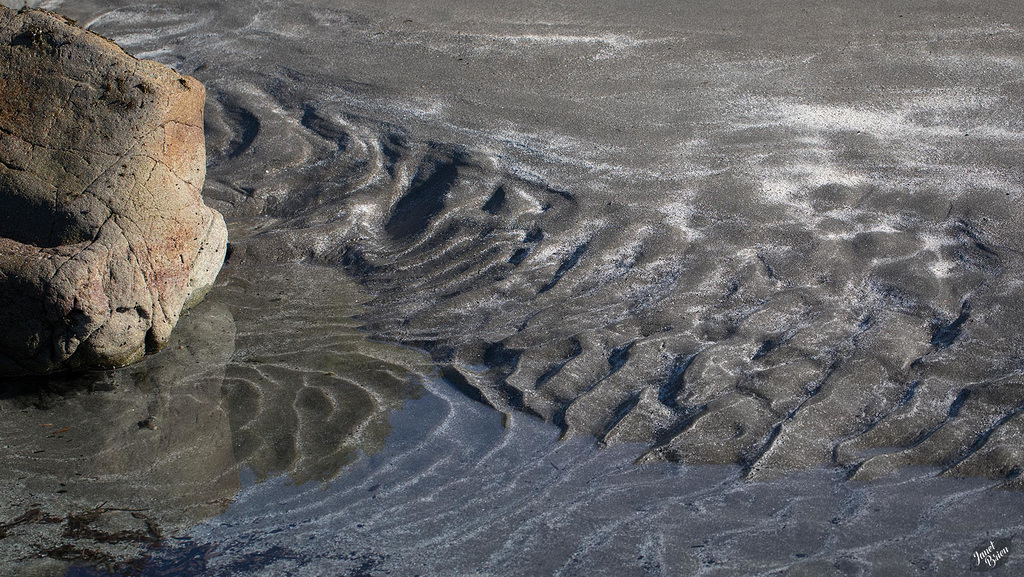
[[593, 289], [126, 458]]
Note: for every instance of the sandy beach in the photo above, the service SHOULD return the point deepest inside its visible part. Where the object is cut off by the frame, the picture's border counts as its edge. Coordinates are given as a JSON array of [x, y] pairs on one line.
[[595, 288]]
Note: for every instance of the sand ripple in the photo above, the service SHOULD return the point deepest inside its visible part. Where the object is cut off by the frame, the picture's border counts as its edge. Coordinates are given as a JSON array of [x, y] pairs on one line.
[[751, 248], [268, 376], [785, 244]]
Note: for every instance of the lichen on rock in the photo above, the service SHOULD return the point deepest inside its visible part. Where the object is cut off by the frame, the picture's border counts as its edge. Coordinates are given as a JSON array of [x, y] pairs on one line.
[[104, 237]]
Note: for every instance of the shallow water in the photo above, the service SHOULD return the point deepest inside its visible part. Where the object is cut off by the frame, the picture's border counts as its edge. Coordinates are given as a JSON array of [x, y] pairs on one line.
[[778, 246], [101, 466], [456, 493]]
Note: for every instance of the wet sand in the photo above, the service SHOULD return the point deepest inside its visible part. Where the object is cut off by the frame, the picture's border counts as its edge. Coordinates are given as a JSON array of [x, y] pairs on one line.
[[101, 468], [784, 242]]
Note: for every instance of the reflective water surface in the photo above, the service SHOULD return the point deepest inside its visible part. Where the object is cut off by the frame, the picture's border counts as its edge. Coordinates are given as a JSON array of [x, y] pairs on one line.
[[589, 287], [99, 467]]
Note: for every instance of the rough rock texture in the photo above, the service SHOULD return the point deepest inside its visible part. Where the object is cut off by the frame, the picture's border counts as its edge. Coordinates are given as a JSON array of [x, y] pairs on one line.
[[104, 237]]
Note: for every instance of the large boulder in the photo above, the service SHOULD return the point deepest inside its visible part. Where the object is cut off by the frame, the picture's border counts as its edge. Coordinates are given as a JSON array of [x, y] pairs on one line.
[[104, 238]]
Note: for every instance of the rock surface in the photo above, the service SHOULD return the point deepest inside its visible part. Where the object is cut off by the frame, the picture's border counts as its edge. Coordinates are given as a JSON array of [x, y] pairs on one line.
[[104, 237]]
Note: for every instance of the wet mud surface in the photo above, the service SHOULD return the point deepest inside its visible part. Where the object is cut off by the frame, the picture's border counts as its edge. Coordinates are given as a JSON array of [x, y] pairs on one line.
[[785, 242]]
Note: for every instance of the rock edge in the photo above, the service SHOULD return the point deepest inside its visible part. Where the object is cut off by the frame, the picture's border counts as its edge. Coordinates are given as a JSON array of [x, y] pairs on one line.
[[104, 237]]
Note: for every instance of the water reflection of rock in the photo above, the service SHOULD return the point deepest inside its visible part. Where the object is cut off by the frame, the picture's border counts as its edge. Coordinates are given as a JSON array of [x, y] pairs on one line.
[[268, 374], [306, 392], [153, 440]]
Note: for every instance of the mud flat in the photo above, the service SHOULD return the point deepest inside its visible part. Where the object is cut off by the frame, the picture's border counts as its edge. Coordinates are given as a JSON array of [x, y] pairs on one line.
[[101, 468], [782, 242]]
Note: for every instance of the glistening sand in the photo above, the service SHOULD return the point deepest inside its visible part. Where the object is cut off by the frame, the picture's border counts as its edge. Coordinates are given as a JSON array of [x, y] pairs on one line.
[[783, 240]]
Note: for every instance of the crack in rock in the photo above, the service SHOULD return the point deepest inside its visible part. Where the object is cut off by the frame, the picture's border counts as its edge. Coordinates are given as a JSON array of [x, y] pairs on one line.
[[104, 237]]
